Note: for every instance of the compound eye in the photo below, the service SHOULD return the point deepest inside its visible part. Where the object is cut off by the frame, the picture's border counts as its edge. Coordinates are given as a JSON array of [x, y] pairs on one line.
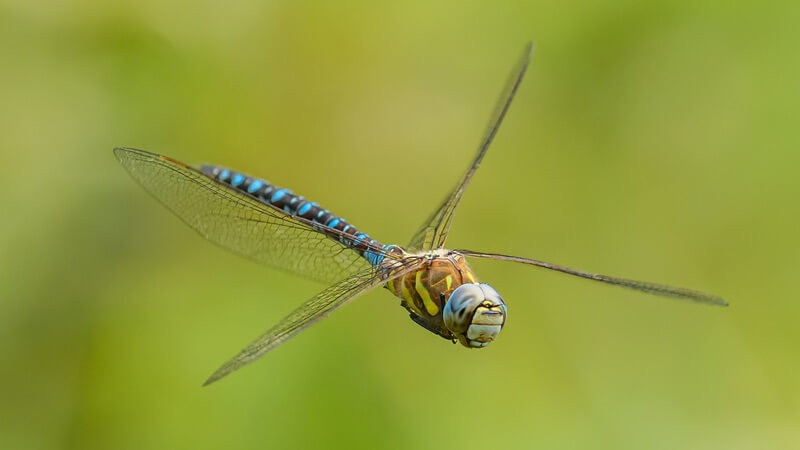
[[458, 311], [475, 314]]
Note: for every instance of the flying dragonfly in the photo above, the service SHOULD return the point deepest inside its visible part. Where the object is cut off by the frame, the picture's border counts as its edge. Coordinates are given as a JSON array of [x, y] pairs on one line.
[[276, 227]]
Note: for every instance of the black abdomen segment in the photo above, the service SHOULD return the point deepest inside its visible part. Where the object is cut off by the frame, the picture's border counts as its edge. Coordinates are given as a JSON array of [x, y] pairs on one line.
[[297, 206]]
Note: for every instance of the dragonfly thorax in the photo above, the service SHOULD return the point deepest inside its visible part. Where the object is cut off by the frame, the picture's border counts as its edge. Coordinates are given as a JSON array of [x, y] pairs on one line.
[[440, 296]]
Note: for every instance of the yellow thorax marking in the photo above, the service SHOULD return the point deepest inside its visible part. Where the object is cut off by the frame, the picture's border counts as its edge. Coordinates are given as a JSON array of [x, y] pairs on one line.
[[408, 297], [471, 278], [449, 280], [426, 297]]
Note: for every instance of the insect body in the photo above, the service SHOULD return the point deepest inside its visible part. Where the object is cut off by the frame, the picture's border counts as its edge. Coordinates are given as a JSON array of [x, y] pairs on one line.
[[276, 227], [424, 291]]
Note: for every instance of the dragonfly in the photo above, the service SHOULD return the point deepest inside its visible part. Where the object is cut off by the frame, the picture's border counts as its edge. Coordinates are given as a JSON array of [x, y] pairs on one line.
[[279, 228]]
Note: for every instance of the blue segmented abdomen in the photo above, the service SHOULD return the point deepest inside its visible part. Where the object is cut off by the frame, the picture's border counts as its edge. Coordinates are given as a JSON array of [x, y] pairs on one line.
[[295, 205]]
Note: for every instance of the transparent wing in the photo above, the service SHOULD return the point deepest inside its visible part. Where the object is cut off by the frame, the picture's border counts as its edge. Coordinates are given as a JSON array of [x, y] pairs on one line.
[[314, 309], [643, 286], [433, 232], [242, 224]]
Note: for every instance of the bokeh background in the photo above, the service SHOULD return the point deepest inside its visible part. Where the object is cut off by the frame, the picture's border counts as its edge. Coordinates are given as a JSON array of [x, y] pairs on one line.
[[652, 140]]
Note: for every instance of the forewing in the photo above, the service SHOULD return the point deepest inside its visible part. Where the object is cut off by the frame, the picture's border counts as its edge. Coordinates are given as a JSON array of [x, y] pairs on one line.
[[642, 286], [240, 223], [433, 233], [307, 314]]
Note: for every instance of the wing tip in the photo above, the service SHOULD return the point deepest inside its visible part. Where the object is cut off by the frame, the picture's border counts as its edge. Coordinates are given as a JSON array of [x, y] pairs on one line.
[[719, 301], [119, 152], [217, 375], [228, 368], [702, 297], [530, 46], [210, 380], [123, 152]]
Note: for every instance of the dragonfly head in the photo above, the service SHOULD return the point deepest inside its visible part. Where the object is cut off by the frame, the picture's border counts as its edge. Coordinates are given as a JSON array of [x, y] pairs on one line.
[[475, 313]]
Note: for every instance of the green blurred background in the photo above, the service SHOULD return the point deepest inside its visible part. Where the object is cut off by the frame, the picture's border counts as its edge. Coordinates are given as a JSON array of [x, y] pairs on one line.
[[654, 140]]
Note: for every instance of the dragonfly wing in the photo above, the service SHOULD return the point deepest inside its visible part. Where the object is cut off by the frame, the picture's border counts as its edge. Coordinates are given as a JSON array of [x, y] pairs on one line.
[[433, 233], [240, 223], [307, 314], [642, 286]]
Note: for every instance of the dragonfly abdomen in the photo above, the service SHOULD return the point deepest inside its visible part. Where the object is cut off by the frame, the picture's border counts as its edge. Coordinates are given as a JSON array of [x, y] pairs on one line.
[[297, 206]]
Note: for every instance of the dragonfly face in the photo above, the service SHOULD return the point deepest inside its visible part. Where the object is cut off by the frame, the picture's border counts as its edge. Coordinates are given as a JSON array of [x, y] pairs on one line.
[[475, 313]]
